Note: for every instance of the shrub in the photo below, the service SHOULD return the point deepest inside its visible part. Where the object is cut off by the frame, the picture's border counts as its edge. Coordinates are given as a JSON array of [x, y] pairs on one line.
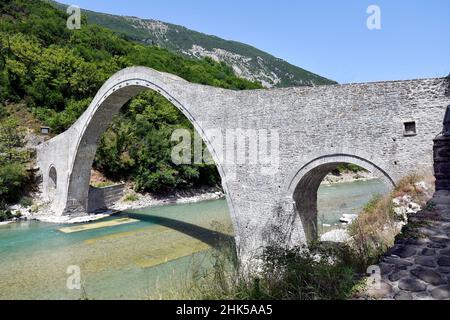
[[286, 274], [13, 173], [5, 214], [375, 229], [131, 197], [26, 202]]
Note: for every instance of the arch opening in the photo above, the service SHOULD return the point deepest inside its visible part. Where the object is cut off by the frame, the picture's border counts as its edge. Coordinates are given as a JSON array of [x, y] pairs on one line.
[[96, 120], [308, 182]]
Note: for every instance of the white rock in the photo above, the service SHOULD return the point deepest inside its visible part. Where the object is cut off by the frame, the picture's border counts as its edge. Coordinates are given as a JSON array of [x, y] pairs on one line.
[[397, 201], [400, 211], [414, 206]]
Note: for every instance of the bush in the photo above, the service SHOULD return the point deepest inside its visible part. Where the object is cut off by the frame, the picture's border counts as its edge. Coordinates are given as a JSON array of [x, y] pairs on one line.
[[12, 180], [5, 214], [59, 71], [13, 173], [375, 229], [131, 198], [286, 274], [26, 202]]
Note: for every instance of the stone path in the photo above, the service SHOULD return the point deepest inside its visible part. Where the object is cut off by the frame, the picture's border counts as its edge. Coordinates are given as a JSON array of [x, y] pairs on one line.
[[418, 266]]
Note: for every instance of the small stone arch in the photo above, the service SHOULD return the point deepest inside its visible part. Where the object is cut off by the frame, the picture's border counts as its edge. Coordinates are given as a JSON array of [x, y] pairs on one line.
[[303, 187], [52, 183]]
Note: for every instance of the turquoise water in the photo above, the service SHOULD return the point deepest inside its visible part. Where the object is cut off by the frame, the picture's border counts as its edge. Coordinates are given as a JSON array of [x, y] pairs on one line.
[[346, 198], [145, 259]]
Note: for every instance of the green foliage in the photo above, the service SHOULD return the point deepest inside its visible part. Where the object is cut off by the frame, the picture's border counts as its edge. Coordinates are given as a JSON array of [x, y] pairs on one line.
[[5, 214], [58, 71], [26, 202], [13, 159], [349, 167], [138, 146]]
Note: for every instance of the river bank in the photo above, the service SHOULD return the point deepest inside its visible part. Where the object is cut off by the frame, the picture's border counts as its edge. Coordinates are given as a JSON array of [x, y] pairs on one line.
[[40, 210], [347, 177]]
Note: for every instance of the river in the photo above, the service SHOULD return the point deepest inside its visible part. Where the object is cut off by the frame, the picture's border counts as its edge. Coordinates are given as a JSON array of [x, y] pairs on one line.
[[154, 252]]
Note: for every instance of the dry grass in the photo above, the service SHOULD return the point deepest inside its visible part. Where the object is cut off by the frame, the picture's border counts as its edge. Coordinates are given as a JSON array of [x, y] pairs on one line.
[[375, 229]]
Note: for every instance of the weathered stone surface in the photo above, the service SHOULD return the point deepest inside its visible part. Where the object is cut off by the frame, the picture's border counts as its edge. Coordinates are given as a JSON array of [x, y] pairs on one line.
[[386, 268], [410, 284], [440, 239], [403, 295], [416, 241], [436, 245], [444, 261], [429, 276], [398, 263], [428, 252], [444, 269], [403, 251], [395, 276], [441, 293], [426, 261], [445, 252]]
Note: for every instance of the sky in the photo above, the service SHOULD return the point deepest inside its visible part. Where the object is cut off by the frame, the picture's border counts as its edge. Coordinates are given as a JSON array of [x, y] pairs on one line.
[[327, 37]]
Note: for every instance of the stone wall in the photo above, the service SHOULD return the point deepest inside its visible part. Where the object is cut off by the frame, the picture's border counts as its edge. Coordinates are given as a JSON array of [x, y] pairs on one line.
[[104, 198]]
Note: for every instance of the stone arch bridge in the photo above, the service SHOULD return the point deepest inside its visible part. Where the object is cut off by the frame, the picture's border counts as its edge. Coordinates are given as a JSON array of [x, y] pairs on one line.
[[385, 127]]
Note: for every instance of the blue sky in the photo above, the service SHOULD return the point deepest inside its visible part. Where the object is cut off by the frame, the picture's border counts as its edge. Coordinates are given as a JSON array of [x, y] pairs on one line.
[[327, 37]]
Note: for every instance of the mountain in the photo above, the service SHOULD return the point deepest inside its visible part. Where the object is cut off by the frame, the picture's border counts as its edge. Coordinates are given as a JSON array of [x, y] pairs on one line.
[[247, 62]]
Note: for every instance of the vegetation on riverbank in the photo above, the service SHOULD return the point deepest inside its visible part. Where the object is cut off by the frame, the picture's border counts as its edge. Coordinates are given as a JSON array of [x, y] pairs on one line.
[[378, 225], [323, 271], [57, 72], [14, 159]]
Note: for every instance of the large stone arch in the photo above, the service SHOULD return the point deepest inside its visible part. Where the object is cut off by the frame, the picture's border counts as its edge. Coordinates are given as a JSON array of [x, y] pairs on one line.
[[305, 182], [75, 149]]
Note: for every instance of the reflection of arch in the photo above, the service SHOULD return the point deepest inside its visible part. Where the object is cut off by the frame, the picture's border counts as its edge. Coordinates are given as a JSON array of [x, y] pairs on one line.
[[52, 179], [304, 185]]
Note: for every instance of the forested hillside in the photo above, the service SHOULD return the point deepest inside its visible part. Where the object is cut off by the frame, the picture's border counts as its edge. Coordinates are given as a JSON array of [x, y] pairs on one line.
[[54, 73], [247, 61]]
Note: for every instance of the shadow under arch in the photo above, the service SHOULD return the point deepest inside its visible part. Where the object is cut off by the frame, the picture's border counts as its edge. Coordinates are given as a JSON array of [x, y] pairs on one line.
[[113, 95], [212, 238], [305, 184]]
